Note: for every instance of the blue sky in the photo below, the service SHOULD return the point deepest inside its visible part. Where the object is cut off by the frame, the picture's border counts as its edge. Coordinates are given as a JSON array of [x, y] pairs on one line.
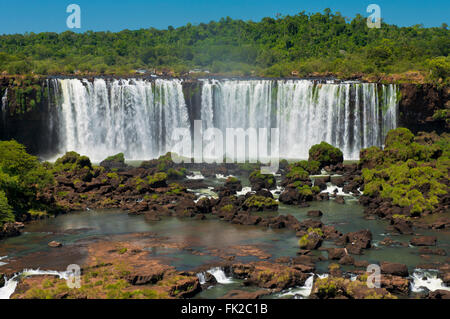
[[19, 16]]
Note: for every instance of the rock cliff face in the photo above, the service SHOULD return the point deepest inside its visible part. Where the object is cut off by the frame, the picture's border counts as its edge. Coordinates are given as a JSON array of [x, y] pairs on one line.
[[419, 103]]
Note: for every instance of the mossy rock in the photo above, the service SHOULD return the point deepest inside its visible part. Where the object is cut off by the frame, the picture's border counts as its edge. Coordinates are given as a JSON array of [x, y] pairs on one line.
[[325, 154], [260, 203]]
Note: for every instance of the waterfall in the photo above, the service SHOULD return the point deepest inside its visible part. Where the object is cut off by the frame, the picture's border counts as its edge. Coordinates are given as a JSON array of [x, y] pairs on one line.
[[220, 276], [4, 105], [348, 115], [102, 117], [132, 116]]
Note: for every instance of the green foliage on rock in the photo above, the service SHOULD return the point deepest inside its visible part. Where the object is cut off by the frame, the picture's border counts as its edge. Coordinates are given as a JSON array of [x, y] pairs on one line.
[[120, 158], [325, 154], [259, 203], [410, 174], [267, 179]]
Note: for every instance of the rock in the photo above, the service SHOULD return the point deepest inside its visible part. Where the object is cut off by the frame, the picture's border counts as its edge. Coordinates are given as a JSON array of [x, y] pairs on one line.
[[336, 253], [395, 284], [233, 184], [342, 288], [149, 277], [395, 269], [347, 260], [152, 216], [269, 275], [54, 244], [355, 242], [339, 199], [2, 280], [186, 287], [241, 294], [423, 241], [402, 226], [337, 180], [314, 213], [11, 229], [439, 294]]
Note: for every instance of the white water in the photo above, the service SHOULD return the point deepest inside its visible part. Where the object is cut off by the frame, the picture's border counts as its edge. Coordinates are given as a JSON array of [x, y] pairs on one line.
[[132, 116], [138, 117], [196, 176], [220, 276], [11, 284], [350, 116], [1, 262], [303, 291], [4, 104], [426, 279]]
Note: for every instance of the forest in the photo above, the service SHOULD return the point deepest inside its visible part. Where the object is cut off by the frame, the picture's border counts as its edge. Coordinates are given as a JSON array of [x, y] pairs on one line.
[[301, 45]]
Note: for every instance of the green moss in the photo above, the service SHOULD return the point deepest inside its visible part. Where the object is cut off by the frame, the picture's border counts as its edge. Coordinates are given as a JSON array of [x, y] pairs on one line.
[[325, 154], [260, 202], [120, 158]]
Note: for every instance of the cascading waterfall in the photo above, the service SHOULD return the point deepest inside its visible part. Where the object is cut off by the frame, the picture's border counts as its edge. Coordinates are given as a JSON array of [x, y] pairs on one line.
[[4, 105], [137, 117], [350, 116]]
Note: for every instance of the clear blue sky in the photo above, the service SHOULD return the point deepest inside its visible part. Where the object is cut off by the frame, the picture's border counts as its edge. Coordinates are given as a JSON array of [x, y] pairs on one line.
[[19, 16]]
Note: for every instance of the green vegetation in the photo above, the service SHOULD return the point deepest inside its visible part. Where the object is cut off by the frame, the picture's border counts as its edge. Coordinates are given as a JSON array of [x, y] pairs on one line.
[[260, 203], [325, 154], [120, 158], [303, 44], [312, 232], [22, 177], [267, 180], [410, 173]]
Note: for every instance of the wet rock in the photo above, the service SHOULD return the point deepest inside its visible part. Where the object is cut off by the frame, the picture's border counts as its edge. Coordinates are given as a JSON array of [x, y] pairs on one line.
[[203, 206], [241, 294], [2, 280], [54, 244], [439, 294], [152, 216], [402, 226], [395, 269], [395, 284], [186, 287], [347, 260], [337, 180], [423, 241], [233, 184], [339, 199], [336, 253], [330, 232], [11, 229], [314, 213], [149, 277]]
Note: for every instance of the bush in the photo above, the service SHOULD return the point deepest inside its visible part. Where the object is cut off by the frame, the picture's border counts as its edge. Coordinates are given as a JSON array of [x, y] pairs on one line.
[[325, 154], [22, 176]]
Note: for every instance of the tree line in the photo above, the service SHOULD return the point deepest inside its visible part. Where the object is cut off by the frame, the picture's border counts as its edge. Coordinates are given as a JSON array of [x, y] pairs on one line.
[[304, 43]]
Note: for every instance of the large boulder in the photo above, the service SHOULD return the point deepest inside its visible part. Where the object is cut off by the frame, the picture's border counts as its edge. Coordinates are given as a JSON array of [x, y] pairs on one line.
[[394, 269], [325, 154], [114, 162], [423, 241]]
